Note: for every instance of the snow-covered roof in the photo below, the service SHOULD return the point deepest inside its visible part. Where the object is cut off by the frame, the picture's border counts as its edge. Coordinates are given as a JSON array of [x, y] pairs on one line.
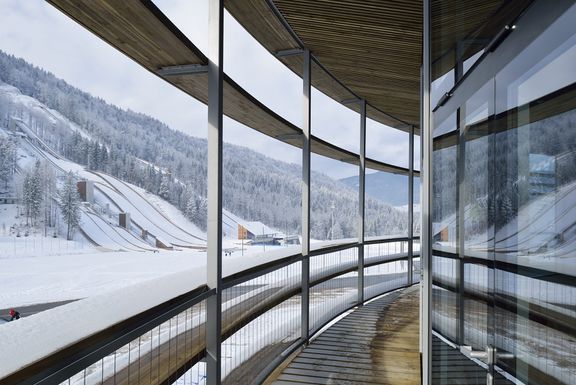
[[258, 228]]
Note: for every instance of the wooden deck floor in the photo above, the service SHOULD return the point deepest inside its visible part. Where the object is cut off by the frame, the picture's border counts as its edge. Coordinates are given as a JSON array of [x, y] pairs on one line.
[[376, 344]]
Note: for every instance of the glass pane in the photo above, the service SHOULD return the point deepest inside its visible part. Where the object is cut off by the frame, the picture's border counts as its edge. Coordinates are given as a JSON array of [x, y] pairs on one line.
[[260, 193], [511, 288], [444, 195], [387, 144], [103, 157], [260, 73], [333, 121], [334, 200], [386, 204]]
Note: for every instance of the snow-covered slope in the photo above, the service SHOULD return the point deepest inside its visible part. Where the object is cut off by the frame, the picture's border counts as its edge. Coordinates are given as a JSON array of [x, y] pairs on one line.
[[102, 231]]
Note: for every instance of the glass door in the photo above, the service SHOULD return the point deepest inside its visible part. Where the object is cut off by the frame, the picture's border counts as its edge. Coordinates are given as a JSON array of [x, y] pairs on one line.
[[504, 211]]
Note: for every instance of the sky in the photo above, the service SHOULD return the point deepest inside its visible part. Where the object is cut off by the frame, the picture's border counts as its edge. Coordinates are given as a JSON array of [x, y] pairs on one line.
[[42, 35]]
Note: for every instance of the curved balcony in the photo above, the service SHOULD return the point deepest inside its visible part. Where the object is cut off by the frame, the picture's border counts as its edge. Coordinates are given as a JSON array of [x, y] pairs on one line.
[[261, 320], [269, 305]]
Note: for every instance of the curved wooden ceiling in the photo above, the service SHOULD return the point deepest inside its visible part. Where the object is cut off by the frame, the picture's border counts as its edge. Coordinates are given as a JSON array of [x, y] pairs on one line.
[[374, 47]]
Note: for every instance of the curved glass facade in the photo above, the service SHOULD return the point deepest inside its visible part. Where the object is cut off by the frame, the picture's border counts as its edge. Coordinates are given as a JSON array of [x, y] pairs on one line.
[[279, 229], [504, 192]]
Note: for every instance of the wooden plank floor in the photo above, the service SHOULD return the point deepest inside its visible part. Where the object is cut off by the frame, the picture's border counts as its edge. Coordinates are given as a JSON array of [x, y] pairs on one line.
[[375, 344]]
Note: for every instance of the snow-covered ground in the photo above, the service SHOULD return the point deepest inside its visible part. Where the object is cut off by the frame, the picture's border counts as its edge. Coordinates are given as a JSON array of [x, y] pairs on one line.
[[50, 278]]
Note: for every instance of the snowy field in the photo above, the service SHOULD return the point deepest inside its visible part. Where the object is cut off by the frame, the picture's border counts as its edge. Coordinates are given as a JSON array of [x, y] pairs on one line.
[[35, 276], [49, 278]]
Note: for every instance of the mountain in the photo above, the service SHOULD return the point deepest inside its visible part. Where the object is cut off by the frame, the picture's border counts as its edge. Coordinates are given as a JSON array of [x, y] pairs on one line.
[[388, 188], [172, 164]]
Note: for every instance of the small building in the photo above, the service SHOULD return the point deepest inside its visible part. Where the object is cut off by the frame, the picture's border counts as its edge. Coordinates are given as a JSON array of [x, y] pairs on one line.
[[291, 240], [9, 200], [259, 233], [86, 190], [542, 177], [163, 245], [124, 220]]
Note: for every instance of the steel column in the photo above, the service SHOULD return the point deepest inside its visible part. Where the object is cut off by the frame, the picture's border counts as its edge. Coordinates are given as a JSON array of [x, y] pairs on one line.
[[306, 129], [361, 201], [426, 191], [410, 205], [215, 133], [460, 224]]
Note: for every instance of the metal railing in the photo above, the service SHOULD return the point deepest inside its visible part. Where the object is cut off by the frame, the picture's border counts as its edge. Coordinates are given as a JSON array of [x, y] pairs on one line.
[[511, 307], [261, 322]]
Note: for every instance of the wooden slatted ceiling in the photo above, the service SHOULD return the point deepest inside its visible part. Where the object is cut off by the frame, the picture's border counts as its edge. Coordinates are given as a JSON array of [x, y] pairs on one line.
[[139, 30], [374, 46], [356, 43], [127, 25]]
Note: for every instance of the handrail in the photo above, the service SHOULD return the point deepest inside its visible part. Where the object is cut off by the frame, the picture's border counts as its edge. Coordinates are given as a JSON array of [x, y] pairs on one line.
[[259, 270], [528, 310], [60, 365], [516, 268]]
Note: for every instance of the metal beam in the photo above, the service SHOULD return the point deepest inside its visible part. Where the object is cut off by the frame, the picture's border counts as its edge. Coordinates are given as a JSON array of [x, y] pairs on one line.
[[426, 191], [283, 137], [215, 135], [306, 141], [289, 52], [353, 101], [187, 69], [460, 229], [410, 206], [361, 201]]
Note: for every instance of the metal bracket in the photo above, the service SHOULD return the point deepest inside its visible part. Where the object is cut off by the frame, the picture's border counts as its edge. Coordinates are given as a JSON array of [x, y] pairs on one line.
[[351, 101], [283, 137], [500, 37], [186, 69], [444, 99], [289, 52]]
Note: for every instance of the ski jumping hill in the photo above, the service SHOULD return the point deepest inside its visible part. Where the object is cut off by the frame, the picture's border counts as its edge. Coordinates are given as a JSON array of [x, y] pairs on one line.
[[149, 227]]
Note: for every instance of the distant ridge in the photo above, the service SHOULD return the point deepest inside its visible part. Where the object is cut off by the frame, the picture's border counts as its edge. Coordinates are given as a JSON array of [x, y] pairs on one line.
[[388, 188]]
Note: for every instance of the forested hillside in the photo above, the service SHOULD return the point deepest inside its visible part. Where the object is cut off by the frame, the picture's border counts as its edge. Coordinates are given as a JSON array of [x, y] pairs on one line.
[[172, 164]]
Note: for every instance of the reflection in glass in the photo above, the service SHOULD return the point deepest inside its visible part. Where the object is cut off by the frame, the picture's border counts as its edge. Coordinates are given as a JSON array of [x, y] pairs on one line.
[[444, 219], [513, 209]]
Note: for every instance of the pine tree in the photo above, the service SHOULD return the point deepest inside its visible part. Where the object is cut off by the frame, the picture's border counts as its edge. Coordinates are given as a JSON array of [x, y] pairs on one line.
[[32, 194], [7, 160], [164, 190], [191, 208], [202, 213], [69, 203], [49, 186]]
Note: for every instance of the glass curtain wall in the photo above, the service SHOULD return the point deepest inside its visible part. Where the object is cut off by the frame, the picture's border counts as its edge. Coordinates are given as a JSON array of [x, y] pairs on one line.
[[503, 194]]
